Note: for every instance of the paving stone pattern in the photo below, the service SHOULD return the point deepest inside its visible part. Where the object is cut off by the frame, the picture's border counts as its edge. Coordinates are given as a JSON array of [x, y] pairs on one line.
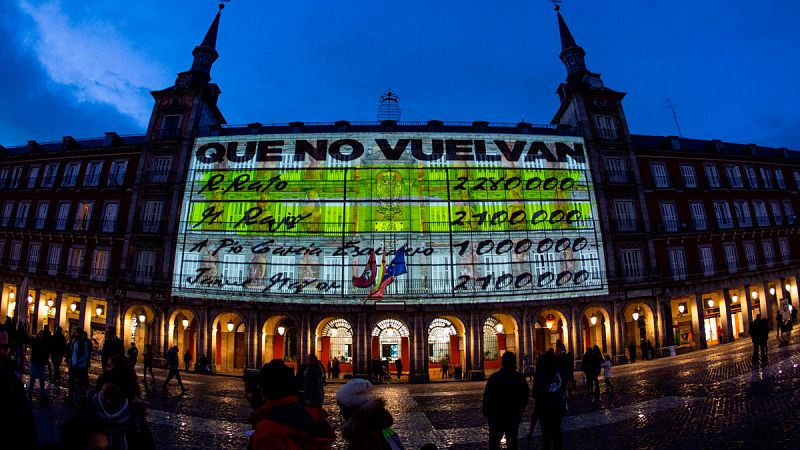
[[713, 398]]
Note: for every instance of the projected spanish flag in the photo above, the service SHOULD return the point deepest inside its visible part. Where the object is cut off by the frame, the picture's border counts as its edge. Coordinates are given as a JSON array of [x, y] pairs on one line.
[[396, 268]]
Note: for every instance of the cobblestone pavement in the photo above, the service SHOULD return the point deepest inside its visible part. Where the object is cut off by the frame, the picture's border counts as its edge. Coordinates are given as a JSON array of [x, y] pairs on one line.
[[713, 398]]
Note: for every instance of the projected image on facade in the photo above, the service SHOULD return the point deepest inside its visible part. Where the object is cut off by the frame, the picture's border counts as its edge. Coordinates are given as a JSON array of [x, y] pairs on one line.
[[413, 217]]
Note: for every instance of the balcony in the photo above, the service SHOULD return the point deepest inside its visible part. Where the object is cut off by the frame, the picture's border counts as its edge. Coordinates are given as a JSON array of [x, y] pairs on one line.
[[158, 176]]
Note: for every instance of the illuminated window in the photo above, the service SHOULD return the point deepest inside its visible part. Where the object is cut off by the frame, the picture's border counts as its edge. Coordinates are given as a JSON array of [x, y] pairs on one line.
[[332, 272], [83, 215], [283, 268], [390, 333], [341, 338], [75, 261], [490, 339], [234, 271], [439, 333]]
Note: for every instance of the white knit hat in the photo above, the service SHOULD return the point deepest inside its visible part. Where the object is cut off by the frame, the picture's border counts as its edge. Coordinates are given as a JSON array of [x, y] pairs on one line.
[[354, 393]]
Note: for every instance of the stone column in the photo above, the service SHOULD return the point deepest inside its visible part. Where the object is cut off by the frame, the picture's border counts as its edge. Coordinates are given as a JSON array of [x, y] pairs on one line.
[[526, 348], [768, 304], [111, 316], [418, 351], [727, 326], [574, 330], [203, 336], [669, 330], [85, 316], [35, 324], [160, 336], [476, 347], [697, 316], [60, 318], [659, 328], [253, 341], [618, 324], [361, 344]]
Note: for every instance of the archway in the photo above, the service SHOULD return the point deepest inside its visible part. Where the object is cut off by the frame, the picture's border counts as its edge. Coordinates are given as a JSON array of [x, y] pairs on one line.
[[596, 328], [138, 327], [229, 349], [639, 328], [446, 342], [182, 331], [390, 342], [499, 336], [279, 340], [552, 331], [335, 342]]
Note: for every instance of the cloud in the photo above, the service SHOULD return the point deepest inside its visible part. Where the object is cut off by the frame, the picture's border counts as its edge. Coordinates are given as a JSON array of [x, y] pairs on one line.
[[94, 60]]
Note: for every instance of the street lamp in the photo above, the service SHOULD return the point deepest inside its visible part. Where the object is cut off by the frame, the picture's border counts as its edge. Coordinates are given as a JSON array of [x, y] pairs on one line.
[[30, 299], [593, 320], [635, 315], [788, 287], [710, 302], [499, 328], [230, 325], [682, 308], [772, 291], [185, 322], [282, 329], [49, 302], [550, 322], [735, 299], [754, 295], [99, 311], [142, 317], [11, 295], [73, 307]]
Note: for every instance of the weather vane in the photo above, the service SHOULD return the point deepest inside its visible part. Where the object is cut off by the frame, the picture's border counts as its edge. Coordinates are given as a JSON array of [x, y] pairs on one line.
[[222, 3], [555, 4]]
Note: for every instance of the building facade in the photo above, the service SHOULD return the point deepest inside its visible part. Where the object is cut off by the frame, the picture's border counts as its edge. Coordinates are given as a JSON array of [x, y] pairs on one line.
[[692, 238]]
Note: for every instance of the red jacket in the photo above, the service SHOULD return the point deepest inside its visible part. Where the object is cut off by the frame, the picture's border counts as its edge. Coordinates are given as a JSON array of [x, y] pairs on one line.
[[283, 424]]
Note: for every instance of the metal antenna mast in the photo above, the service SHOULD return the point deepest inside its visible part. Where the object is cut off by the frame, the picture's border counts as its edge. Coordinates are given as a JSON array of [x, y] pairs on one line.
[[674, 116]]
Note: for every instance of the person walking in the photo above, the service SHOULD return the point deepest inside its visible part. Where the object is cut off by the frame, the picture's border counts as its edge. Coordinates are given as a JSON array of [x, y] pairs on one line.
[[585, 368], [551, 404], [367, 423], [58, 347], [20, 340], [80, 360], [607, 374], [504, 400], [566, 363], [17, 424], [172, 367], [39, 357], [313, 385], [282, 423], [133, 354], [111, 346], [632, 352], [758, 333], [594, 370], [527, 367], [336, 368], [445, 366], [187, 360], [398, 365], [763, 337], [330, 368], [147, 362]]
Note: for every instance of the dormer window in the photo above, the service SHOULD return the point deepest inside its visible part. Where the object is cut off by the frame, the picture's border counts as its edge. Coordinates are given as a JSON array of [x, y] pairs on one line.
[[171, 126], [606, 128]]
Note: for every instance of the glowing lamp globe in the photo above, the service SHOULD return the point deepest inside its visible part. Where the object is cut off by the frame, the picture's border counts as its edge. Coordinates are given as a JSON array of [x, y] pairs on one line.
[[230, 326]]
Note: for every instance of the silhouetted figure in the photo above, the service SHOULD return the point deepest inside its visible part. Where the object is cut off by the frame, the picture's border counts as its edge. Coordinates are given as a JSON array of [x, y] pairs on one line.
[[504, 401]]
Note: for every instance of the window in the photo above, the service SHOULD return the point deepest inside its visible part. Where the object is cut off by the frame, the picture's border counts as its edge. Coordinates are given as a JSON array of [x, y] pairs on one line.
[[730, 256], [2, 249], [83, 215], [767, 177], [33, 256], [110, 217], [16, 175], [152, 216], [41, 214], [677, 261], [750, 255], [734, 176], [171, 126], [33, 176], [70, 174], [92, 177], [688, 175], [61, 216], [100, 261], [53, 259], [707, 260], [632, 264], [777, 215], [769, 252], [669, 216], [779, 179], [742, 210], [712, 175], [49, 175], [440, 274], [3, 177], [723, 212], [116, 176], [660, 177], [752, 179], [145, 266], [626, 217], [161, 167], [7, 208], [16, 253], [616, 169], [606, 128], [283, 268], [760, 209], [75, 261], [788, 211], [22, 214], [783, 246], [698, 215], [332, 271], [797, 178]]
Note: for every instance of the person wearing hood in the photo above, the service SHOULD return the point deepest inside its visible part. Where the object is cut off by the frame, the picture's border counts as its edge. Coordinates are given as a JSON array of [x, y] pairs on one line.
[[313, 384], [123, 421], [367, 423], [283, 423], [504, 400]]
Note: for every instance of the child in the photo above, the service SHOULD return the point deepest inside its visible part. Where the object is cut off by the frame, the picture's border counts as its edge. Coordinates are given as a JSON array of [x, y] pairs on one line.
[[606, 365]]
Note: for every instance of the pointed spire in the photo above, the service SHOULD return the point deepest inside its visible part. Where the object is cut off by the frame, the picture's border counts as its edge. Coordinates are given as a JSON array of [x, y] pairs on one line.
[[204, 56], [210, 40], [567, 41], [571, 53]]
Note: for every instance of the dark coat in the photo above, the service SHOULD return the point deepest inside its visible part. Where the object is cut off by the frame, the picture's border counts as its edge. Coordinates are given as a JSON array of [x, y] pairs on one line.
[[17, 425], [130, 427], [505, 396], [111, 347], [313, 389], [364, 429], [58, 346]]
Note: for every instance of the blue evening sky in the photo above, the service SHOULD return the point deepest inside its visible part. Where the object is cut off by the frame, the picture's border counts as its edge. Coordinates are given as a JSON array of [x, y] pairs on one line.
[[81, 68]]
